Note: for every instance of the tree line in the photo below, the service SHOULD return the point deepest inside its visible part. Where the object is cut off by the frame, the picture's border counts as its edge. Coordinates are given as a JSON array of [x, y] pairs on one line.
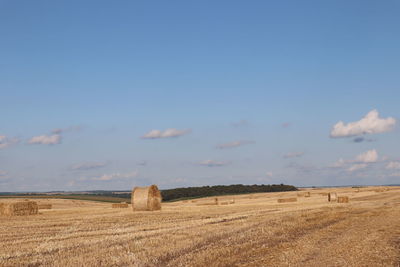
[[218, 190]]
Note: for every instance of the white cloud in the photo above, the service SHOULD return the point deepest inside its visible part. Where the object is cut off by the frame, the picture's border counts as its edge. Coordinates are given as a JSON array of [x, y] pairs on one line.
[[293, 155], [233, 144], [213, 163], [361, 161], [113, 176], [370, 156], [7, 142], [340, 163], [356, 167], [269, 174], [46, 139], [393, 165], [168, 133], [370, 124], [88, 166]]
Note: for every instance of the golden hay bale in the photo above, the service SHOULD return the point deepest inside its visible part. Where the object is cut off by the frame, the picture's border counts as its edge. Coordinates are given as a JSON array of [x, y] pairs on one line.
[[343, 199], [18, 208], [45, 206], [232, 201], [146, 198], [303, 194], [119, 205], [324, 194], [379, 190], [224, 203], [284, 200], [332, 197]]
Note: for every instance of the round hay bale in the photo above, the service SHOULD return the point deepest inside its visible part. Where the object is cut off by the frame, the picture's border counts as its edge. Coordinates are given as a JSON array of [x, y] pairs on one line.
[[332, 197], [146, 198]]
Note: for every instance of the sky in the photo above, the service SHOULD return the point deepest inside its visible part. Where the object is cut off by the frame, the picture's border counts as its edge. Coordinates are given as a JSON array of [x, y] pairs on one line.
[[114, 94]]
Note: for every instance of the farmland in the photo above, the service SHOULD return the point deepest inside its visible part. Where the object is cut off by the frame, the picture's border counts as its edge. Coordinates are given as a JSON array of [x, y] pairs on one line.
[[248, 230]]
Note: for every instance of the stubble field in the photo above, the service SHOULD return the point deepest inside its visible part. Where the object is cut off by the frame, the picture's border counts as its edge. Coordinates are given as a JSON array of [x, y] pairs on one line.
[[255, 230]]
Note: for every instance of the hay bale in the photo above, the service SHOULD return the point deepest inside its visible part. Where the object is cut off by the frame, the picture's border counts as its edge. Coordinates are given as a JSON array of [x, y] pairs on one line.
[[304, 194], [224, 203], [18, 208], [146, 198], [332, 197], [380, 190], [45, 206], [344, 199], [119, 205], [284, 200], [324, 194], [232, 201]]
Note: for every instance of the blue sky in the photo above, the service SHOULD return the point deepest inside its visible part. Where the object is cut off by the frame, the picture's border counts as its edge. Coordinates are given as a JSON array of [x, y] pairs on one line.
[[250, 93]]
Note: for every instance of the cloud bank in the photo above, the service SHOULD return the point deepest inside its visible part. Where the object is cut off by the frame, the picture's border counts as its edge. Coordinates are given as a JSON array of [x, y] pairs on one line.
[[75, 128], [370, 156], [88, 166], [356, 167], [293, 155], [168, 133], [233, 144], [370, 124], [393, 165], [361, 161], [45, 140], [7, 142], [213, 163], [114, 176]]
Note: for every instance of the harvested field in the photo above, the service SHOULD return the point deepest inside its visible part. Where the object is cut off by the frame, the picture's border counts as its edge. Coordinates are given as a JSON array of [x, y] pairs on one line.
[[284, 200], [45, 206], [119, 205], [254, 231]]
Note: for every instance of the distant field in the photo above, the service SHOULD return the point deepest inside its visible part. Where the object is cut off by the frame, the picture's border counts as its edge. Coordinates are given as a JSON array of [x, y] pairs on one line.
[[242, 230], [76, 197]]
